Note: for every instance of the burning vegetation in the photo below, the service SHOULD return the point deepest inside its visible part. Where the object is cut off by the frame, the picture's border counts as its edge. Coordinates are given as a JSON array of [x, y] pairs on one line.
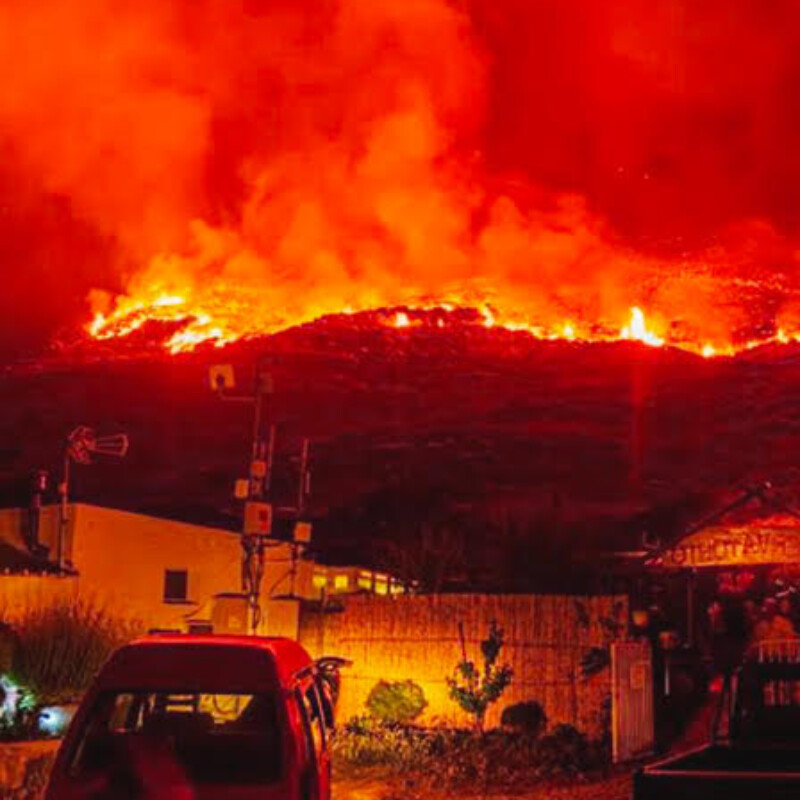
[[227, 170]]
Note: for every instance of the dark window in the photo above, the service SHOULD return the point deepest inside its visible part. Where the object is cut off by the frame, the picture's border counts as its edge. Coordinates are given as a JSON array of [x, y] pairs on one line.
[[176, 584]]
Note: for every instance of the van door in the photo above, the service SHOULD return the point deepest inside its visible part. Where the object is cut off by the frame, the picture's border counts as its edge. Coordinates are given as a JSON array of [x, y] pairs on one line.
[[317, 780], [325, 693]]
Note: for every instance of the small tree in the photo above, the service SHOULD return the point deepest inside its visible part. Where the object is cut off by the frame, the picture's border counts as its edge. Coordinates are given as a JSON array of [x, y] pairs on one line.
[[475, 689]]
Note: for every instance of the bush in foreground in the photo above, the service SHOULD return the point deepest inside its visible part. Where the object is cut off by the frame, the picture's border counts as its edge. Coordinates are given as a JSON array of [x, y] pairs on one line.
[[565, 751], [59, 649], [526, 718], [368, 742], [458, 758]]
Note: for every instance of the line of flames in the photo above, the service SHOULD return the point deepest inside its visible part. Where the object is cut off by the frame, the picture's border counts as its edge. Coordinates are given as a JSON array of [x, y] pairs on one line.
[[199, 328]]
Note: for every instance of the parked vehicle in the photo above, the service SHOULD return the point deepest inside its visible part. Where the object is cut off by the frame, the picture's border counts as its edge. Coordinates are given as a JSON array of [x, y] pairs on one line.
[[200, 717], [759, 757]]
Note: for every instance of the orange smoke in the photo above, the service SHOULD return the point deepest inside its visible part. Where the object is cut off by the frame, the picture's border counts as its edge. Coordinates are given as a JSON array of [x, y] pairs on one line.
[[257, 165]]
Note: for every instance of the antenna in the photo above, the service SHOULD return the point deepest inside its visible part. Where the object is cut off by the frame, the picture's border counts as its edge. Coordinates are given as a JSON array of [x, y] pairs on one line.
[[114, 445], [304, 481], [270, 458], [301, 535], [82, 444]]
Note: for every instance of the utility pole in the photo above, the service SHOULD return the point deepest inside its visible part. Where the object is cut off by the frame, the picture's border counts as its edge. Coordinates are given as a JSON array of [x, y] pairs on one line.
[[257, 525], [254, 490]]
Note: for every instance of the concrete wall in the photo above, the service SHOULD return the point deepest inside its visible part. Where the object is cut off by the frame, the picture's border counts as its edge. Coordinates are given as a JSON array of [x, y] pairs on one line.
[[546, 637], [121, 559]]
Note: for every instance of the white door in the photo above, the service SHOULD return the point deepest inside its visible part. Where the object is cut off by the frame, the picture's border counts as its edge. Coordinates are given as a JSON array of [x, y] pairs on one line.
[[632, 725]]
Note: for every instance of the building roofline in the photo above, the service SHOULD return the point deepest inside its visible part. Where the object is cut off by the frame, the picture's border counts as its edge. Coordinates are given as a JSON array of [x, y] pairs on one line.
[[127, 512]]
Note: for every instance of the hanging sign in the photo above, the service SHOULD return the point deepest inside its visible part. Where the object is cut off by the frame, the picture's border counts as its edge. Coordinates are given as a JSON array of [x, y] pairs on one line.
[[723, 547]]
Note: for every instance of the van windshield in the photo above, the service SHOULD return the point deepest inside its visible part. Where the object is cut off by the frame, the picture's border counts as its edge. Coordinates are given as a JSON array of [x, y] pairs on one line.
[[174, 737]]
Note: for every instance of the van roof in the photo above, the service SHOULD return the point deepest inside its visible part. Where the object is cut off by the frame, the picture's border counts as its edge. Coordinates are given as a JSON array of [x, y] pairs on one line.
[[207, 662]]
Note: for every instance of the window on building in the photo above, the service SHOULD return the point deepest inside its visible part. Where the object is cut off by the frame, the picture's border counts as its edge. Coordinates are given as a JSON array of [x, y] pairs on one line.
[[319, 581], [365, 581], [341, 583], [176, 586]]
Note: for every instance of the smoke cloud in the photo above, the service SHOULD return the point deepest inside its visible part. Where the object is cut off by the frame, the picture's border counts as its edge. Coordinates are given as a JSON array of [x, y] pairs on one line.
[[276, 159]]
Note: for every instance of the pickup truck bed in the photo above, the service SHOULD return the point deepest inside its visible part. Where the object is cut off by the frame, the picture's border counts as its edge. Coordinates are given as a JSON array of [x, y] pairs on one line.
[[722, 772], [760, 759]]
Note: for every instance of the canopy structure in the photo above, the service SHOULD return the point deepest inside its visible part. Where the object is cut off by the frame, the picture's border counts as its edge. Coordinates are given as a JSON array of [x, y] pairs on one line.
[[769, 538], [768, 541]]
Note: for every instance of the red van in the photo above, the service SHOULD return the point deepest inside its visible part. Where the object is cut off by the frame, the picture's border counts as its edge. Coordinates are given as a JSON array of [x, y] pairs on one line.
[[193, 717]]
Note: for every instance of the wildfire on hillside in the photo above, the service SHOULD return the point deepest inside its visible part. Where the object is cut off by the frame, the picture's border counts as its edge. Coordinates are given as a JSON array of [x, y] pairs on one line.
[[190, 328]]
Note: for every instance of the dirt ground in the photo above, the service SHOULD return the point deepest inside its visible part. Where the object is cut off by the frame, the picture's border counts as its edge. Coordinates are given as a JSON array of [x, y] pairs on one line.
[[615, 787]]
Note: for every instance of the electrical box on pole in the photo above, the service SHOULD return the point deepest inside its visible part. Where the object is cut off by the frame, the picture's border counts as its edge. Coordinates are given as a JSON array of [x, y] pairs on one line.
[[302, 532], [221, 377], [257, 518]]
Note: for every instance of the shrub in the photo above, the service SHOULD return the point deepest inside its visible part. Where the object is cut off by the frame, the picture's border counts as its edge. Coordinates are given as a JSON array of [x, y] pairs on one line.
[[459, 759], [17, 711], [526, 718], [564, 751], [366, 742], [508, 761], [60, 648], [594, 660], [397, 701]]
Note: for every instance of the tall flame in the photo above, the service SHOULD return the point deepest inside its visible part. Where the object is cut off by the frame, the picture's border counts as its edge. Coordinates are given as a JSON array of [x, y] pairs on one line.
[[637, 329]]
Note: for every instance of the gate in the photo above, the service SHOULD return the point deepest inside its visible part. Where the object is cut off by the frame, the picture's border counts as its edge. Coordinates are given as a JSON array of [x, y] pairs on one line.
[[632, 725]]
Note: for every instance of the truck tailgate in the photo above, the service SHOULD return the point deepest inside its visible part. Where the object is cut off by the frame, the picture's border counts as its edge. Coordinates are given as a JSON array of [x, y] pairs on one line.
[[721, 772], [715, 786]]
